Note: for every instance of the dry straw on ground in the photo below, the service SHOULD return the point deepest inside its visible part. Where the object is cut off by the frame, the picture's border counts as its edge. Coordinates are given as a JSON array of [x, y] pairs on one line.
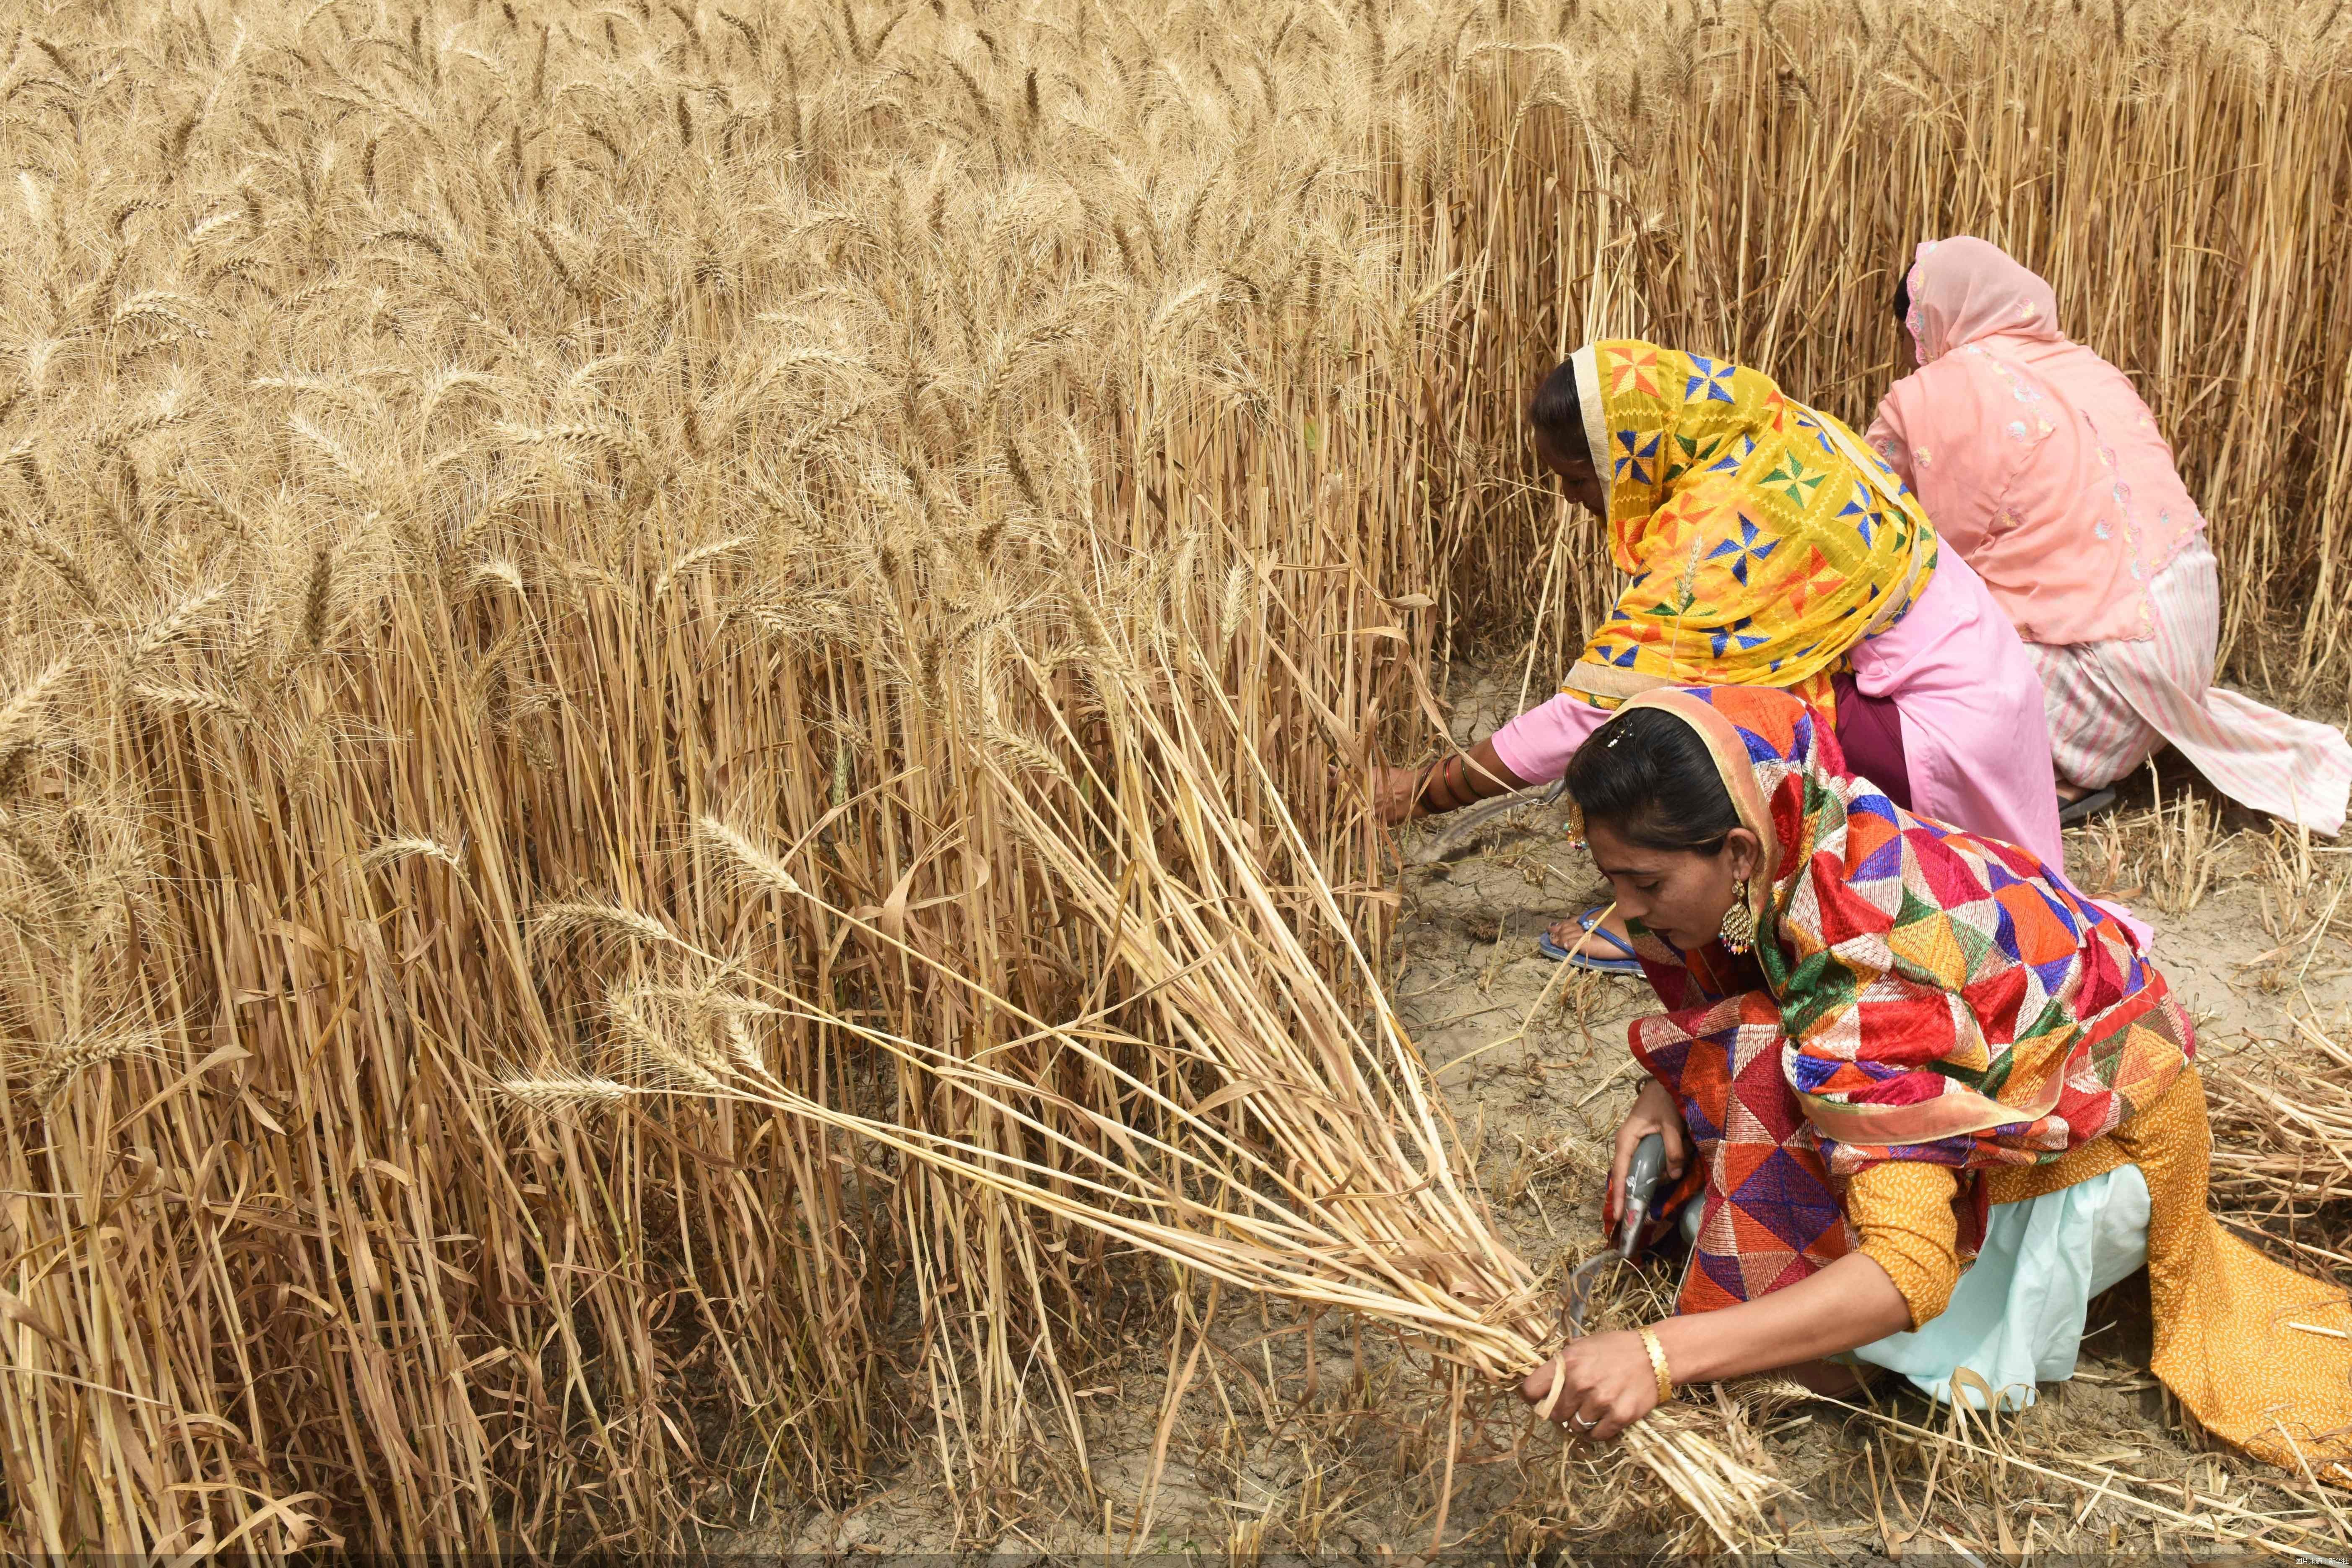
[[540, 531], [2282, 1140]]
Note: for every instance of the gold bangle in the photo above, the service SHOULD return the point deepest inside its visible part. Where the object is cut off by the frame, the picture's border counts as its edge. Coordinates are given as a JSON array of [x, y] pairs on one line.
[[1658, 1364]]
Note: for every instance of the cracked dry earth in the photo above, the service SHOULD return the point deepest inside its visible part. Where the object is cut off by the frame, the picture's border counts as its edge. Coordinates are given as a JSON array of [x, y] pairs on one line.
[[1322, 1439]]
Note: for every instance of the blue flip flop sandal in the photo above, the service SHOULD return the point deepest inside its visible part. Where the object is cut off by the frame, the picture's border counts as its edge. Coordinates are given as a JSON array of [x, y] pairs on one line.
[[1589, 922]]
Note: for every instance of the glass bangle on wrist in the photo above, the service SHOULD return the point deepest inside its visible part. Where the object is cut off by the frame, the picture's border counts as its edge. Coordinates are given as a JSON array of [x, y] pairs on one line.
[[1420, 790], [1446, 798]]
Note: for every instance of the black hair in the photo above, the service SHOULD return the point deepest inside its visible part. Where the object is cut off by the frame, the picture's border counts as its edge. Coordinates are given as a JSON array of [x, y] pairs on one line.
[[1648, 776], [1558, 413], [1903, 298]]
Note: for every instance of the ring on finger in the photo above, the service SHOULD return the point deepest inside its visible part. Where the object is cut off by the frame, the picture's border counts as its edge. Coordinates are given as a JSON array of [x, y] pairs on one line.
[[1580, 1421]]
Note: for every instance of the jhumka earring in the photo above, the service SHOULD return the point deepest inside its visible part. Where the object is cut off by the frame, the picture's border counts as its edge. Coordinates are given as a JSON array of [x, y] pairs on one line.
[[1739, 921]]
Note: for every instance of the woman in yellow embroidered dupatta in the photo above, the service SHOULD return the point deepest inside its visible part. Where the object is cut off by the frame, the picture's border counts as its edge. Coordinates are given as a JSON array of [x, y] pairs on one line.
[[1764, 544], [1762, 539]]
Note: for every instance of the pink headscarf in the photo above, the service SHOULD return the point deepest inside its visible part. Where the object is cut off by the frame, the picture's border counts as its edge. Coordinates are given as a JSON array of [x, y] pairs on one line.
[[2034, 456]]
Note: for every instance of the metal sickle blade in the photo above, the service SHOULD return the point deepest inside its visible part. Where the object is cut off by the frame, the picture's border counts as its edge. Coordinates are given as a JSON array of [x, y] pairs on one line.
[[1580, 1290]]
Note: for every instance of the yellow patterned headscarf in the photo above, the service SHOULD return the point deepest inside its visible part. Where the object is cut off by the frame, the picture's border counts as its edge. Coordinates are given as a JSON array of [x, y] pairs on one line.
[[1763, 538]]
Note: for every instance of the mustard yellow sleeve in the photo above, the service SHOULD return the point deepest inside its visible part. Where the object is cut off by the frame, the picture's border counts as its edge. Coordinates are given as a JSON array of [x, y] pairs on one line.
[[1904, 1210]]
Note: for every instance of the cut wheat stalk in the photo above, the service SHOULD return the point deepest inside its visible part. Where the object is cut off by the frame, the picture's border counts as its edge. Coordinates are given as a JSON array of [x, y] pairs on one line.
[[1363, 1181], [1355, 1274]]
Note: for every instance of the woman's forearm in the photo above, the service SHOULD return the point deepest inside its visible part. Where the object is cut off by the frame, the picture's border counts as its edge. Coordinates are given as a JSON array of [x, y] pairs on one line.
[[1489, 774], [1467, 777], [1851, 1302]]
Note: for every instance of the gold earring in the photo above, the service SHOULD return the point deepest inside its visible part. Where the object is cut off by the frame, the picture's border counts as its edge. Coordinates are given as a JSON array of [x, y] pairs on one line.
[[1739, 921]]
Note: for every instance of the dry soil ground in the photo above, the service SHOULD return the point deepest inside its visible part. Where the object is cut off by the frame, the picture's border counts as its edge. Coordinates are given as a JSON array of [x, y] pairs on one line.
[[1289, 1438]]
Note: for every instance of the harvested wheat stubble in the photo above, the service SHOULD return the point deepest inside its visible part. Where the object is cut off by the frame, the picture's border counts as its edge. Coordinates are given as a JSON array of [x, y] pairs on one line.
[[448, 451], [2282, 1116]]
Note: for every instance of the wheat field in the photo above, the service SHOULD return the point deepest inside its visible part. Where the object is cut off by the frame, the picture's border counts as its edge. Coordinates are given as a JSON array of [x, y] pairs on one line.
[[563, 561]]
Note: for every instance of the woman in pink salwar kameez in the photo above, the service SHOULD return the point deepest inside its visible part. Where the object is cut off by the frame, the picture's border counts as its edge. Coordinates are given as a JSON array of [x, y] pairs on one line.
[[2039, 462]]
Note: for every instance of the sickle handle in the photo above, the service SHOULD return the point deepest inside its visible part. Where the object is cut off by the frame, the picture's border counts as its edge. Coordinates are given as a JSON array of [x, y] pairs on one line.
[[1643, 1173]]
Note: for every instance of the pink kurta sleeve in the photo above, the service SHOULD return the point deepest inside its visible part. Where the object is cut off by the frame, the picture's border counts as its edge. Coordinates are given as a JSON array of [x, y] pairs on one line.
[[1538, 743], [1886, 438]]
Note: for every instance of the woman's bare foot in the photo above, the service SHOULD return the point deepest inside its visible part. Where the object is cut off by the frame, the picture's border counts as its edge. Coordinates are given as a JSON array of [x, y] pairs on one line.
[[2068, 794]]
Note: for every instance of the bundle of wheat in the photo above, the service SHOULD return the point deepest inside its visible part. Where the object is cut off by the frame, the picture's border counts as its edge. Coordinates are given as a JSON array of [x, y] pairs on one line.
[[1259, 1135]]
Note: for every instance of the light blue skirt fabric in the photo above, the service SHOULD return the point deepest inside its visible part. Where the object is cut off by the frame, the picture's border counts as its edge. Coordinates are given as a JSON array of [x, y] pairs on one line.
[[2017, 1315]]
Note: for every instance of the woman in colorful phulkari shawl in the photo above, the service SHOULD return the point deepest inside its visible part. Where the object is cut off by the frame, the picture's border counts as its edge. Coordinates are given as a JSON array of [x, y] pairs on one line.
[[1766, 546], [1930, 1053]]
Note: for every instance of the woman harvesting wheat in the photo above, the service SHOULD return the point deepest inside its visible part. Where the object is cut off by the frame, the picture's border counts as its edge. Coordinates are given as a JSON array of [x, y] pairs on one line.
[[2039, 463], [1766, 546], [1890, 1047]]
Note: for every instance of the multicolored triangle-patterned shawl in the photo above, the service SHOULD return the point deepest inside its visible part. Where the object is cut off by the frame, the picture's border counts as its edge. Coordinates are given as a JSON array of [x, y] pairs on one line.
[[1941, 995], [1764, 539]]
